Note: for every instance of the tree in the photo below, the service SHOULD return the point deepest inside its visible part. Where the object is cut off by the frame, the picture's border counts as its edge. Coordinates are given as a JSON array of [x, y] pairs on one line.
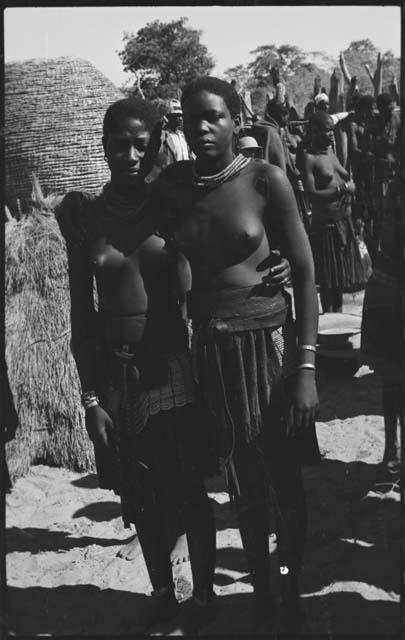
[[243, 76], [164, 56], [301, 86], [287, 58], [373, 70]]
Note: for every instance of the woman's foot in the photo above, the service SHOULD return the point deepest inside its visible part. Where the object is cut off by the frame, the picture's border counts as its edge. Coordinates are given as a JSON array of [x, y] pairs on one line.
[[132, 550], [392, 458], [195, 615], [179, 552], [163, 608]]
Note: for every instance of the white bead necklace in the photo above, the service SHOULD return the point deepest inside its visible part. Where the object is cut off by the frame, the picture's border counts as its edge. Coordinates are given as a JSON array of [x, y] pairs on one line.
[[235, 167]]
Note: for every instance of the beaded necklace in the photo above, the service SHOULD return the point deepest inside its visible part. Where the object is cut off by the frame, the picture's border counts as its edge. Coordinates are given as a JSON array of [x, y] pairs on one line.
[[117, 205], [233, 169]]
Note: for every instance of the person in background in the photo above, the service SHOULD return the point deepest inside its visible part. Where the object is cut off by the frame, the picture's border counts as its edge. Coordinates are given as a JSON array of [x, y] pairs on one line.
[[268, 134], [321, 102], [381, 155], [167, 144], [338, 263], [362, 204], [291, 143], [248, 147], [383, 320]]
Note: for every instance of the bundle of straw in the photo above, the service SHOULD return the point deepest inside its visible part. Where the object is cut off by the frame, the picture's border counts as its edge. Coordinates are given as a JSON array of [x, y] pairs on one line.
[[42, 371]]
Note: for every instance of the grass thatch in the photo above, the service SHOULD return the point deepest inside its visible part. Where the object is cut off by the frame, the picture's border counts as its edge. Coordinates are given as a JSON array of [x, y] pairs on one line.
[[54, 111], [42, 371]]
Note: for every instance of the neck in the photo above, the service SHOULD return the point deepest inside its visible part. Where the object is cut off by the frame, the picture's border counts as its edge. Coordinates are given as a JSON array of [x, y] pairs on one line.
[[125, 189], [320, 148], [209, 167]]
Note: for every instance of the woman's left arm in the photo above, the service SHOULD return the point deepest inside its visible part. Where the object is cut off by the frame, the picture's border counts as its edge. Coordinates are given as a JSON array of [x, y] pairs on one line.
[[295, 245]]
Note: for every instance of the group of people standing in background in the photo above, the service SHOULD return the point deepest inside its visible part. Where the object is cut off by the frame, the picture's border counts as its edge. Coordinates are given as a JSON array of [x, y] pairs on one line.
[[350, 201]]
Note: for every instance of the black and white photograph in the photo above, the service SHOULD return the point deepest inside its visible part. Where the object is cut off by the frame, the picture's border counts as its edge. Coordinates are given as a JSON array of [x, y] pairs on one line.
[[203, 355]]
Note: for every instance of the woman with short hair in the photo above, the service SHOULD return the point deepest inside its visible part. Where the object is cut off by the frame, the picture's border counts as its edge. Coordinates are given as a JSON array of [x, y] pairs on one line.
[[224, 212], [134, 364], [338, 263]]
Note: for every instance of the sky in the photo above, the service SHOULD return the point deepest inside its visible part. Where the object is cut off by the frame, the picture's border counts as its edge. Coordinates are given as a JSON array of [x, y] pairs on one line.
[[230, 33]]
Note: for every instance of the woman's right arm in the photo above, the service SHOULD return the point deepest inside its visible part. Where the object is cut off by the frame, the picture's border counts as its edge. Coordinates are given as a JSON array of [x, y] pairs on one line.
[[83, 320]]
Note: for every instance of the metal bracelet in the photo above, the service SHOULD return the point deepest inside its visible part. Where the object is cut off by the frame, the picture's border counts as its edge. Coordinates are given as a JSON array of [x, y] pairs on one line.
[[91, 403], [89, 399], [307, 347], [88, 394], [306, 365]]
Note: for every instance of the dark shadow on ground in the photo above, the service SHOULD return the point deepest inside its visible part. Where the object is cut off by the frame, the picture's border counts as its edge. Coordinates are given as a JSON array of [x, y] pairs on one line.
[[35, 540], [87, 482], [351, 575], [342, 395], [75, 611], [99, 511]]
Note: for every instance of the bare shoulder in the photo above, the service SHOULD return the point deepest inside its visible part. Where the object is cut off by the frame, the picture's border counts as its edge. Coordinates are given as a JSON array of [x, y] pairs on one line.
[[308, 158], [264, 170], [74, 214], [268, 179], [152, 245]]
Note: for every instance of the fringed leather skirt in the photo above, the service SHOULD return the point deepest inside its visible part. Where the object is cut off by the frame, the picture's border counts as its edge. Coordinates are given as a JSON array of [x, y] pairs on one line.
[[337, 257], [244, 362]]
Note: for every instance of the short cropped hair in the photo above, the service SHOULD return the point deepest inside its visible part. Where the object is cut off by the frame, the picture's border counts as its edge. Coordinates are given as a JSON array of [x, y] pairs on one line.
[[276, 110], [216, 86], [365, 102], [132, 107], [383, 100], [320, 119]]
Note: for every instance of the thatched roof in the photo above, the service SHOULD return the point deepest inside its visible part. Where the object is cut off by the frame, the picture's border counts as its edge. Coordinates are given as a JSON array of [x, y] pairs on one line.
[[42, 372], [53, 124]]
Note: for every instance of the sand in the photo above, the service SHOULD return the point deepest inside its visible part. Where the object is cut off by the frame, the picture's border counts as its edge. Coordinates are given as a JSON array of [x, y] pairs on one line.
[[63, 534]]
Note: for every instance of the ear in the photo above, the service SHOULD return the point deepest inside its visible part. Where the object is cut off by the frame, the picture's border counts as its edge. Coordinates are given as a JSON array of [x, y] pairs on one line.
[[236, 125]]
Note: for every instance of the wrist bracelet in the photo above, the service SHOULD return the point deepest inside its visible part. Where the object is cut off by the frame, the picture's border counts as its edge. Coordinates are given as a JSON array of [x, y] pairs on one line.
[[88, 394], [307, 347], [89, 399], [91, 403], [307, 365]]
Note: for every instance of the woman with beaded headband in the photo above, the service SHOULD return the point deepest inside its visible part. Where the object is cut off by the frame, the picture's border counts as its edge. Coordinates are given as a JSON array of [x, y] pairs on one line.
[[221, 214]]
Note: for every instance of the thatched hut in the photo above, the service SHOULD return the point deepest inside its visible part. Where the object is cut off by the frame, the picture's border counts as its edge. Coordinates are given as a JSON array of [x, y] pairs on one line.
[[53, 122], [42, 372], [53, 125]]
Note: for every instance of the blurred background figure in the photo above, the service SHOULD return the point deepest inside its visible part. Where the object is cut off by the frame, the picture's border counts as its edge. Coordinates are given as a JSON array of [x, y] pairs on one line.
[[268, 133], [337, 258], [249, 147], [381, 156], [167, 143]]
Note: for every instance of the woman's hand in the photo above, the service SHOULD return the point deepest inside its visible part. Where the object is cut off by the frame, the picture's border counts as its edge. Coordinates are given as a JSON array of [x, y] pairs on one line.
[[280, 273], [99, 426], [350, 186], [304, 407]]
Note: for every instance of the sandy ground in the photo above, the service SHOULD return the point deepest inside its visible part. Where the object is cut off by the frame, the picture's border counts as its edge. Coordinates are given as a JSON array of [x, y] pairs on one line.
[[63, 534]]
